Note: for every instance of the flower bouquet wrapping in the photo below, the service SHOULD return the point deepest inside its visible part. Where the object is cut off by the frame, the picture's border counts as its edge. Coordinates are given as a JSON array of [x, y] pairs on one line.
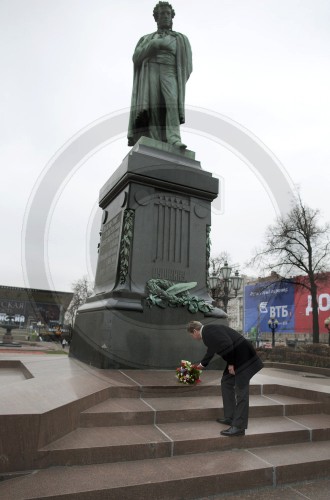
[[187, 373]]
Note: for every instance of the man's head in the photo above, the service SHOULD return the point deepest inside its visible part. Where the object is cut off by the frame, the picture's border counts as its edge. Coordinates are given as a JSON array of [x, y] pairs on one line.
[[163, 15], [194, 328]]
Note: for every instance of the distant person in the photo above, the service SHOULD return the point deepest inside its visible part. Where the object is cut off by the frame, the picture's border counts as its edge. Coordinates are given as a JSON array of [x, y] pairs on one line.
[[162, 66], [242, 363], [58, 333]]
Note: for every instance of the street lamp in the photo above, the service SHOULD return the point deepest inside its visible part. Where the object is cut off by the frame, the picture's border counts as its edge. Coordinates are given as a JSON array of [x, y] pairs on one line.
[[273, 324], [39, 325], [226, 286]]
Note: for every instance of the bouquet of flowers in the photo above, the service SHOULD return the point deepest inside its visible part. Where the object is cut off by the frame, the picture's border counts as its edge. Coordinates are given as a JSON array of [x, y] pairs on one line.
[[187, 373]]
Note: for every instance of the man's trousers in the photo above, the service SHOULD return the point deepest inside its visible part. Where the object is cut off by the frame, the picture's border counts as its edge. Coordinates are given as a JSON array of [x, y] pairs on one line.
[[235, 401]]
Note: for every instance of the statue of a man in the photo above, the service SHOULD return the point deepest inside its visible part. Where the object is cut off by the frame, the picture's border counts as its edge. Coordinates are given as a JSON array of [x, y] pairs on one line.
[[162, 66]]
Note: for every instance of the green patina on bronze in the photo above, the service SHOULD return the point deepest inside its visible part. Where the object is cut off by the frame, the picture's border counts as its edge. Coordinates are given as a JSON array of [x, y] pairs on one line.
[[165, 293], [125, 245], [208, 254], [162, 65]]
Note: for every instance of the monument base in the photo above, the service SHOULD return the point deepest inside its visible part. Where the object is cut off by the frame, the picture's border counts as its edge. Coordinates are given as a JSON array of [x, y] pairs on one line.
[[154, 234], [152, 339], [10, 344]]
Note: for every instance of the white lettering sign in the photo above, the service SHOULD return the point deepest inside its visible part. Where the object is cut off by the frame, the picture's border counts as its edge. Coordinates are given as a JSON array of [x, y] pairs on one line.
[[263, 307], [279, 311], [323, 301]]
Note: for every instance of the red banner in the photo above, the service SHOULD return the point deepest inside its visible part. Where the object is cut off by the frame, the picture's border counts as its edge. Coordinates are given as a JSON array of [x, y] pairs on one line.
[[303, 306]]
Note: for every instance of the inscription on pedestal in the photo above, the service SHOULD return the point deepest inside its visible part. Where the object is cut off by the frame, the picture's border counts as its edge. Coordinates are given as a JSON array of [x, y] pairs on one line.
[[169, 274], [109, 249]]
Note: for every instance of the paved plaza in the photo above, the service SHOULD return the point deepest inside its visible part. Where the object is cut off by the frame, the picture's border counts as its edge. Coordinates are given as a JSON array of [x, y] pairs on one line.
[[40, 393]]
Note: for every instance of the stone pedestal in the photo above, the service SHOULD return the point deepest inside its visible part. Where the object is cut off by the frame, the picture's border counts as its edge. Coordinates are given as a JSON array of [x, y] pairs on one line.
[[8, 337], [156, 220]]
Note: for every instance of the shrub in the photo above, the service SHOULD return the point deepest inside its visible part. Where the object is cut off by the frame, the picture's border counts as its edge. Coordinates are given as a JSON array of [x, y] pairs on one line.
[[307, 355]]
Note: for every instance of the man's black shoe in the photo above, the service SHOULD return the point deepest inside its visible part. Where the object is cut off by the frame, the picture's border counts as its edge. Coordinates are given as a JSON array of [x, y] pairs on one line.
[[233, 431], [226, 421]]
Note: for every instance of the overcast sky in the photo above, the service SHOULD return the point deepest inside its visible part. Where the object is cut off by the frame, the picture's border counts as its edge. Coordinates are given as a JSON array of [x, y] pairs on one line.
[[260, 65]]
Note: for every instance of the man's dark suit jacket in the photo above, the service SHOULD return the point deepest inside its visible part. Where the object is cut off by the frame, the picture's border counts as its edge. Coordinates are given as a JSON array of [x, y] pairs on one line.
[[234, 349]]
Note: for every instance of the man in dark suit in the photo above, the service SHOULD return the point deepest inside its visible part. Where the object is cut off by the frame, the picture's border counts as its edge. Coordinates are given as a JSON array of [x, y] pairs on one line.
[[242, 363]]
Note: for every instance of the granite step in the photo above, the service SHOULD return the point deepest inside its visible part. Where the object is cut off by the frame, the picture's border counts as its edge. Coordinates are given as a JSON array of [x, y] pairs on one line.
[[180, 477], [165, 384], [133, 411], [159, 440], [138, 442]]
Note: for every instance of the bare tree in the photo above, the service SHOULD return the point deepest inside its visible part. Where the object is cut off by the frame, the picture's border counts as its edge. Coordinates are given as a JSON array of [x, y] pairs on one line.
[[223, 288], [216, 263], [296, 247], [82, 289]]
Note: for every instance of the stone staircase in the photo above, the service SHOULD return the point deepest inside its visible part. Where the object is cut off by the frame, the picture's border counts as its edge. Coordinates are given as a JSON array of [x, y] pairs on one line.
[[163, 442]]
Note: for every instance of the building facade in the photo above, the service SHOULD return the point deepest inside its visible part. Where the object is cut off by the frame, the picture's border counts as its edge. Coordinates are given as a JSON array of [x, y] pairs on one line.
[[30, 306], [288, 303]]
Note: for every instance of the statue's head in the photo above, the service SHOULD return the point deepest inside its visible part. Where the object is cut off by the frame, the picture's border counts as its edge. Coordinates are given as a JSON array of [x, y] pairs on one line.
[[163, 15]]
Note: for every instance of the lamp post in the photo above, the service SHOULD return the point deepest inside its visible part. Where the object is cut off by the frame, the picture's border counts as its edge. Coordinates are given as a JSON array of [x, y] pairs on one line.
[[39, 325], [327, 325], [273, 324], [226, 286]]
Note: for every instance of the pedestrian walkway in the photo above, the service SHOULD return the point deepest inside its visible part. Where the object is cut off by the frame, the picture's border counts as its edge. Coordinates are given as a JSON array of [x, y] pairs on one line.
[[317, 489]]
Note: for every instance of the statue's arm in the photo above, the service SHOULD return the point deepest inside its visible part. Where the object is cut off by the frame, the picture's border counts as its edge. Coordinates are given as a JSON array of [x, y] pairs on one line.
[[145, 48]]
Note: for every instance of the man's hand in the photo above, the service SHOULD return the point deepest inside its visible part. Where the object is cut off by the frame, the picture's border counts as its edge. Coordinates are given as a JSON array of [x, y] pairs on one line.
[[200, 367], [231, 369]]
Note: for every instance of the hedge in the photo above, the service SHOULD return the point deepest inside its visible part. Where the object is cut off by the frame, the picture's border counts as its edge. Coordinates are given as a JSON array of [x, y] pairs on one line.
[[307, 355]]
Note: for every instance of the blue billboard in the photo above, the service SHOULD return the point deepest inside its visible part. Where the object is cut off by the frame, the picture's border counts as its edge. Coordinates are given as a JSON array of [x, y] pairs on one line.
[[265, 300]]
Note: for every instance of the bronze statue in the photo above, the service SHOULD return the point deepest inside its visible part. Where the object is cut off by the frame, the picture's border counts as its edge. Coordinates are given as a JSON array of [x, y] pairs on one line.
[[162, 66]]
